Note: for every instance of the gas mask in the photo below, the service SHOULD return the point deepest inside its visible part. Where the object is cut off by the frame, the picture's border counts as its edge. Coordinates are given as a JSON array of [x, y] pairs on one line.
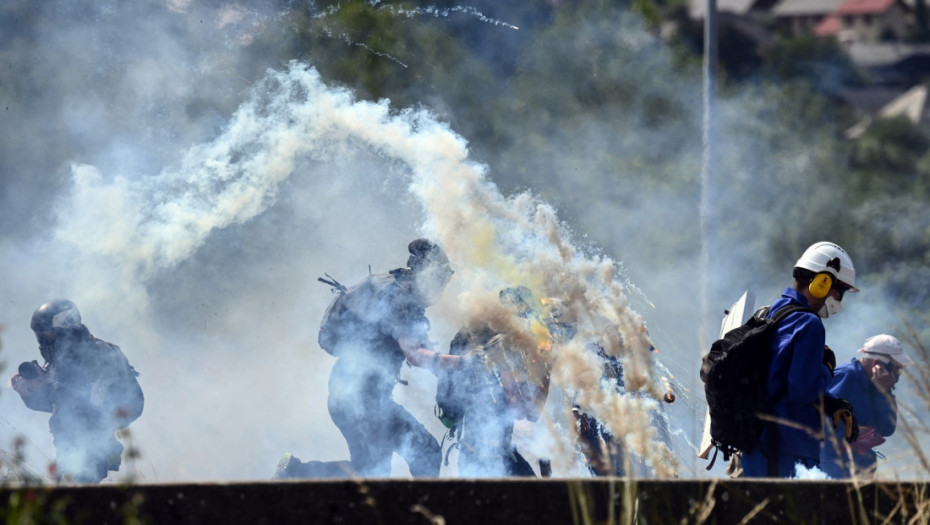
[[830, 307], [47, 341], [48, 351]]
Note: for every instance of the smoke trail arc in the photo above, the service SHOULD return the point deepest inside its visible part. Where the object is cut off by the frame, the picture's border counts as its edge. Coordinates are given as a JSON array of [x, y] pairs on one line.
[[151, 224]]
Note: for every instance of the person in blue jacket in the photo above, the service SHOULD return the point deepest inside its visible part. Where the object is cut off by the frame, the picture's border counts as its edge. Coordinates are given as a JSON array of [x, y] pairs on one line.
[[867, 382], [800, 366]]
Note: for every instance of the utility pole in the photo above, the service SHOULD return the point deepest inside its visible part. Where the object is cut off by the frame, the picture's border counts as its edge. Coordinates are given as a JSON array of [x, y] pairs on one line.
[[707, 218], [709, 159]]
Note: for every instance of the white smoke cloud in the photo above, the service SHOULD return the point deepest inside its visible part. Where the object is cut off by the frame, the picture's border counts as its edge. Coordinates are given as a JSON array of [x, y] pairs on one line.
[[207, 377], [200, 261]]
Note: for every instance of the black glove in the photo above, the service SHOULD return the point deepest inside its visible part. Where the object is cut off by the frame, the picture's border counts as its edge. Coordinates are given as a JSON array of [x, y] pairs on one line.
[[30, 370], [829, 359], [842, 412]]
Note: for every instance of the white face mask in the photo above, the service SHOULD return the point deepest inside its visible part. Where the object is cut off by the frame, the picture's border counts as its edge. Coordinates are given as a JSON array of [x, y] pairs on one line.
[[830, 307]]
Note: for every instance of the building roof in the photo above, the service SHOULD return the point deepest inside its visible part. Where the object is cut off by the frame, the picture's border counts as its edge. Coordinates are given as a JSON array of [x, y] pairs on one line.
[[697, 8], [891, 64], [805, 7], [864, 7], [911, 105], [829, 26], [869, 100], [884, 54]]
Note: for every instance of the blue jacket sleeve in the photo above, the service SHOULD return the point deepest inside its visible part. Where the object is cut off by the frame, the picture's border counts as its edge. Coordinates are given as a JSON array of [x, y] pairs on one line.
[[886, 411], [871, 407]]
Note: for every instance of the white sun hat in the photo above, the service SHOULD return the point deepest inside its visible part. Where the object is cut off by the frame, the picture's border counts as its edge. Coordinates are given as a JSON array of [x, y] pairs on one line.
[[886, 348]]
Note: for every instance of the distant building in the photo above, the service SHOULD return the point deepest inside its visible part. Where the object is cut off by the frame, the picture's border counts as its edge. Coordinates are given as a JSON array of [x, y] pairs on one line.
[[847, 20], [696, 8], [912, 105], [892, 64], [868, 21], [743, 36], [875, 34], [897, 74], [801, 17]]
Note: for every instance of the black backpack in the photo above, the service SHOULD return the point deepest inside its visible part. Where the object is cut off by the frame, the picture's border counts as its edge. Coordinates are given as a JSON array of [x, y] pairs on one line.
[[348, 314], [118, 388], [735, 376], [456, 388], [333, 317]]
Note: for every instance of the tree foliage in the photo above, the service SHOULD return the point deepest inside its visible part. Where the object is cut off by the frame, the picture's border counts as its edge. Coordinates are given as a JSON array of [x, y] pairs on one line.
[[583, 102], [597, 73]]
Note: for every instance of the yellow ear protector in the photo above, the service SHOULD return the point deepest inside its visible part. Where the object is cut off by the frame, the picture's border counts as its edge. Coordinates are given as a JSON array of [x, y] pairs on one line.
[[820, 285]]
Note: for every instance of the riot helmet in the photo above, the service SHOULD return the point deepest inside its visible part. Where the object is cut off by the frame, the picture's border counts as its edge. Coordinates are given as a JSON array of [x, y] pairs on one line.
[[52, 317], [520, 299], [424, 253], [430, 268]]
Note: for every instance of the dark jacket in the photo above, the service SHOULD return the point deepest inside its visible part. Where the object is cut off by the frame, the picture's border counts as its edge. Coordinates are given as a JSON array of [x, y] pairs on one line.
[[379, 311], [91, 383]]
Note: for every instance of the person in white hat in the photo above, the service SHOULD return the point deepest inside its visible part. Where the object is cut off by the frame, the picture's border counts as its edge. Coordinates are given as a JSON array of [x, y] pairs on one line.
[[867, 382]]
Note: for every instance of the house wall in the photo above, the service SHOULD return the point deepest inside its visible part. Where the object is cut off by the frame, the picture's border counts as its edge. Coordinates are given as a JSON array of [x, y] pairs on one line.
[[799, 25], [870, 28]]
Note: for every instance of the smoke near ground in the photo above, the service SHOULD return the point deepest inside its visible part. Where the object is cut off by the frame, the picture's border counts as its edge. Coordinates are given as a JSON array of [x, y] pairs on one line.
[[187, 195]]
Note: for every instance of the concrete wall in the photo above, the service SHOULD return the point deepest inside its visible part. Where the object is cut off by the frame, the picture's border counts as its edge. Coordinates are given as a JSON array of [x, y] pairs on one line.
[[481, 502]]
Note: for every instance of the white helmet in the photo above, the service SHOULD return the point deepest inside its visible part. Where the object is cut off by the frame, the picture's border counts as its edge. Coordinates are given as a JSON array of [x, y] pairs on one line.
[[829, 257]]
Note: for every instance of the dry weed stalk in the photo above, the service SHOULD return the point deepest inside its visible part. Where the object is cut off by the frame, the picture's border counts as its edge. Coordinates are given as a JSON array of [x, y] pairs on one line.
[[702, 510], [913, 425]]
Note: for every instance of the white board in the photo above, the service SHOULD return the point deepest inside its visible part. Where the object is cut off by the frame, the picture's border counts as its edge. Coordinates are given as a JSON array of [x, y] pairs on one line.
[[735, 316]]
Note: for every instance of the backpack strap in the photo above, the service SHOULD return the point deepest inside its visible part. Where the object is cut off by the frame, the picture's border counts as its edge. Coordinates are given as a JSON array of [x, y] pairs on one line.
[[789, 309]]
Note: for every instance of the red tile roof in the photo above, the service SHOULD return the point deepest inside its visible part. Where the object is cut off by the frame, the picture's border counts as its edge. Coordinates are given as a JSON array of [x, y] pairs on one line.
[[864, 7], [829, 26]]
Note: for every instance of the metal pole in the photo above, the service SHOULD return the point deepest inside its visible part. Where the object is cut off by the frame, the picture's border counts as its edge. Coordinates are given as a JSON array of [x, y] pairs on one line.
[[707, 171]]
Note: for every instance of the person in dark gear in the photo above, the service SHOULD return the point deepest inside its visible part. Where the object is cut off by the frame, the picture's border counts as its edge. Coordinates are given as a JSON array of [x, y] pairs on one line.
[[87, 385], [480, 404], [485, 425], [384, 325], [602, 452]]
